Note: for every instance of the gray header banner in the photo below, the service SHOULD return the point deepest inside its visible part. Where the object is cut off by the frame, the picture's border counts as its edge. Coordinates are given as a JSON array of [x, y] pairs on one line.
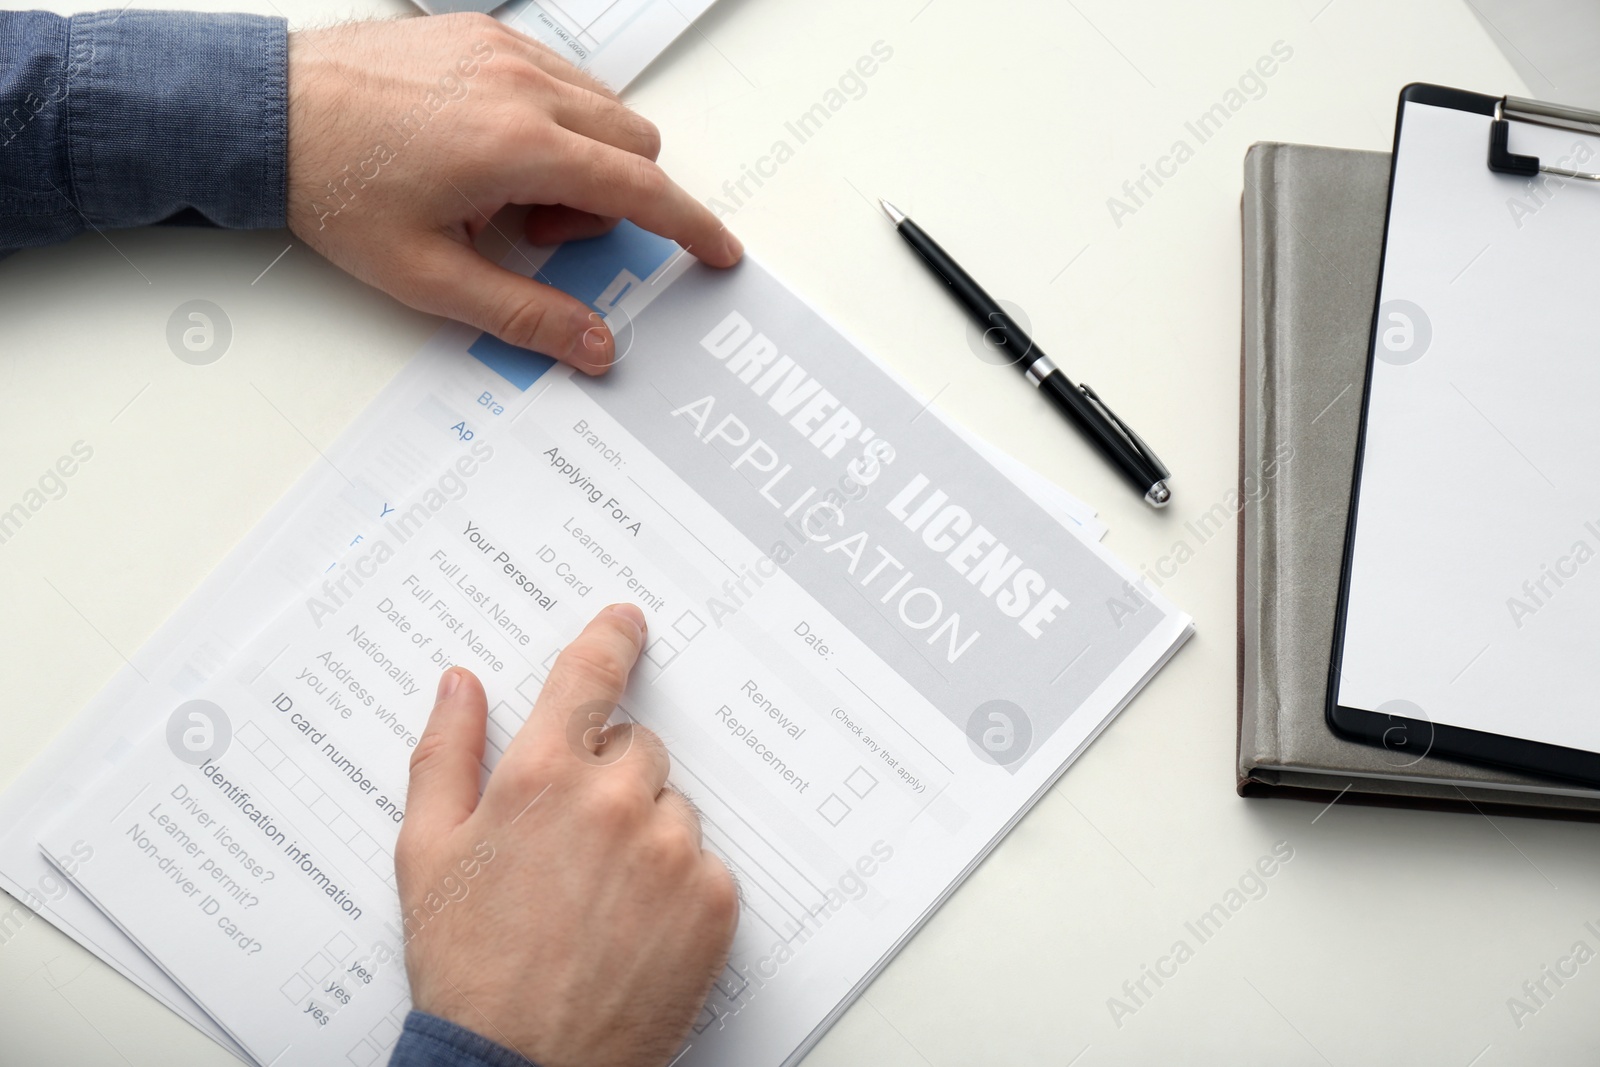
[[958, 580]]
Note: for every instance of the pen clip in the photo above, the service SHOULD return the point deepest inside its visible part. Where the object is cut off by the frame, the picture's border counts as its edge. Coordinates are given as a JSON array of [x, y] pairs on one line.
[[1133, 439]]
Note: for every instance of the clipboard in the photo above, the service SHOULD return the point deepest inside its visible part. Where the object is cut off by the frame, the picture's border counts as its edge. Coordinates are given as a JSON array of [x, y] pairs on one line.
[[1468, 622]]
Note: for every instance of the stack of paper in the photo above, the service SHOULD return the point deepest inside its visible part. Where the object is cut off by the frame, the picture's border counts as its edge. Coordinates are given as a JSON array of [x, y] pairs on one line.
[[874, 643], [871, 650]]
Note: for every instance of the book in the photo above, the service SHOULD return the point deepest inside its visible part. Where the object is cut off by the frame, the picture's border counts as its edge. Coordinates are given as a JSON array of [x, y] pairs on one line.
[[1313, 223]]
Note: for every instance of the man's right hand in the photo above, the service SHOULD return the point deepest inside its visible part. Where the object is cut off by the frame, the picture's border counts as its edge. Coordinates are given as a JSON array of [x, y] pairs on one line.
[[571, 913]]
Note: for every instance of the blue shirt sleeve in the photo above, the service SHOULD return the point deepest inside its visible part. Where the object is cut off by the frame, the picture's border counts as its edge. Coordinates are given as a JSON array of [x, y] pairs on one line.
[[129, 118], [429, 1041]]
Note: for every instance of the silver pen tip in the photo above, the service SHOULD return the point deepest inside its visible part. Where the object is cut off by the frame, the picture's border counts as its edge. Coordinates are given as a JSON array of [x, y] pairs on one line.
[[896, 216], [1159, 495]]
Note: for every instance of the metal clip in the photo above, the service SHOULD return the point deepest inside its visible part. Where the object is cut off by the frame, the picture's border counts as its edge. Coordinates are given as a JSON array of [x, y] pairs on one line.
[[1126, 431], [1514, 108]]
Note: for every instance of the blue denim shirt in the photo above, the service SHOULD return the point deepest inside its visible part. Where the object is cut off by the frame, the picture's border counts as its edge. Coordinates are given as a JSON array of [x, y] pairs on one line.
[[429, 1041], [130, 118]]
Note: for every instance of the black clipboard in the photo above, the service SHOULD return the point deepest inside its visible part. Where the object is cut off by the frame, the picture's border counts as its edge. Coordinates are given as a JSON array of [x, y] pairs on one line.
[[1419, 736]]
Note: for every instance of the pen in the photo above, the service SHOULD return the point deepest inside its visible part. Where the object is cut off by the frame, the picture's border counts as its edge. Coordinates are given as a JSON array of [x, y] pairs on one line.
[[1080, 404]]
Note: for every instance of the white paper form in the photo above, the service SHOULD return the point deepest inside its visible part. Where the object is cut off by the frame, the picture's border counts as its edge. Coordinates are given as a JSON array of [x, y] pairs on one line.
[[416, 424], [826, 672], [612, 39], [1483, 390]]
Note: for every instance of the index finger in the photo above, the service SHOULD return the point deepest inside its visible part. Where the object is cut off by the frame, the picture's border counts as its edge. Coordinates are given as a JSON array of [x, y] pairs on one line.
[[586, 682], [599, 178]]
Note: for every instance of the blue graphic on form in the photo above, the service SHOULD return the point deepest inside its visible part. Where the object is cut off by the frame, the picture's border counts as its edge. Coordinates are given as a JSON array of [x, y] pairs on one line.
[[600, 272]]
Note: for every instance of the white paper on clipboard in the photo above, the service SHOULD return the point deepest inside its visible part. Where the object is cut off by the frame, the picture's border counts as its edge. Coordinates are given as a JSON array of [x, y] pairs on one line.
[[1474, 574]]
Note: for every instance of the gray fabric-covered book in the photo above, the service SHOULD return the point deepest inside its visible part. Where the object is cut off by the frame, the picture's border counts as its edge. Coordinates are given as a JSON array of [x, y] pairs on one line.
[[1313, 236]]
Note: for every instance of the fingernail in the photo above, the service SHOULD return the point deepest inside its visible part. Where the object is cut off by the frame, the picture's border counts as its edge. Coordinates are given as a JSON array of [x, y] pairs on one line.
[[630, 612], [735, 246], [592, 350], [447, 685]]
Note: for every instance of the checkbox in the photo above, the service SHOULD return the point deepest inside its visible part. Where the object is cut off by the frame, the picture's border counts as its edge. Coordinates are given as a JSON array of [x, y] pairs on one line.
[[385, 1034], [708, 1015], [307, 791], [661, 652], [529, 688], [345, 828], [364, 846], [269, 754], [325, 809], [287, 773], [363, 1055], [506, 720], [689, 625], [317, 967], [339, 945], [731, 984], [860, 782], [550, 660], [250, 736], [295, 989], [834, 809]]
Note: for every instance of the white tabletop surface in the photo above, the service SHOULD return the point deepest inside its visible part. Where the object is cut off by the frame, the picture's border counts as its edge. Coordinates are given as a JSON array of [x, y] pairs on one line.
[[1390, 937]]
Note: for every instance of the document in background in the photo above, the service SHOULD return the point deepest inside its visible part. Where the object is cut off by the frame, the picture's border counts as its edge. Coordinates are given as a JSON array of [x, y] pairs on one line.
[[427, 416], [871, 655], [612, 39]]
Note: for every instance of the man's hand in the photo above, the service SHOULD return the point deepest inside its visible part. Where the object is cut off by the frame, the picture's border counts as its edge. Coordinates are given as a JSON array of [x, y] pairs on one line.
[[571, 913], [406, 137]]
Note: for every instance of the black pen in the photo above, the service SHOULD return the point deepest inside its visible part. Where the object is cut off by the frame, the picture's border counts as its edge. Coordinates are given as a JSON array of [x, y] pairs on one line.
[[1082, 406]]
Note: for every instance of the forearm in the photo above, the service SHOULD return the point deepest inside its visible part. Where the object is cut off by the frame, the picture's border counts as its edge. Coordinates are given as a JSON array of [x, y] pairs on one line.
[[116, 119]]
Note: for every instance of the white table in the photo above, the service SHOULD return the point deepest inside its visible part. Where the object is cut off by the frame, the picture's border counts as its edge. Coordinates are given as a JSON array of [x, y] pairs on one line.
[[1390, 937]]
